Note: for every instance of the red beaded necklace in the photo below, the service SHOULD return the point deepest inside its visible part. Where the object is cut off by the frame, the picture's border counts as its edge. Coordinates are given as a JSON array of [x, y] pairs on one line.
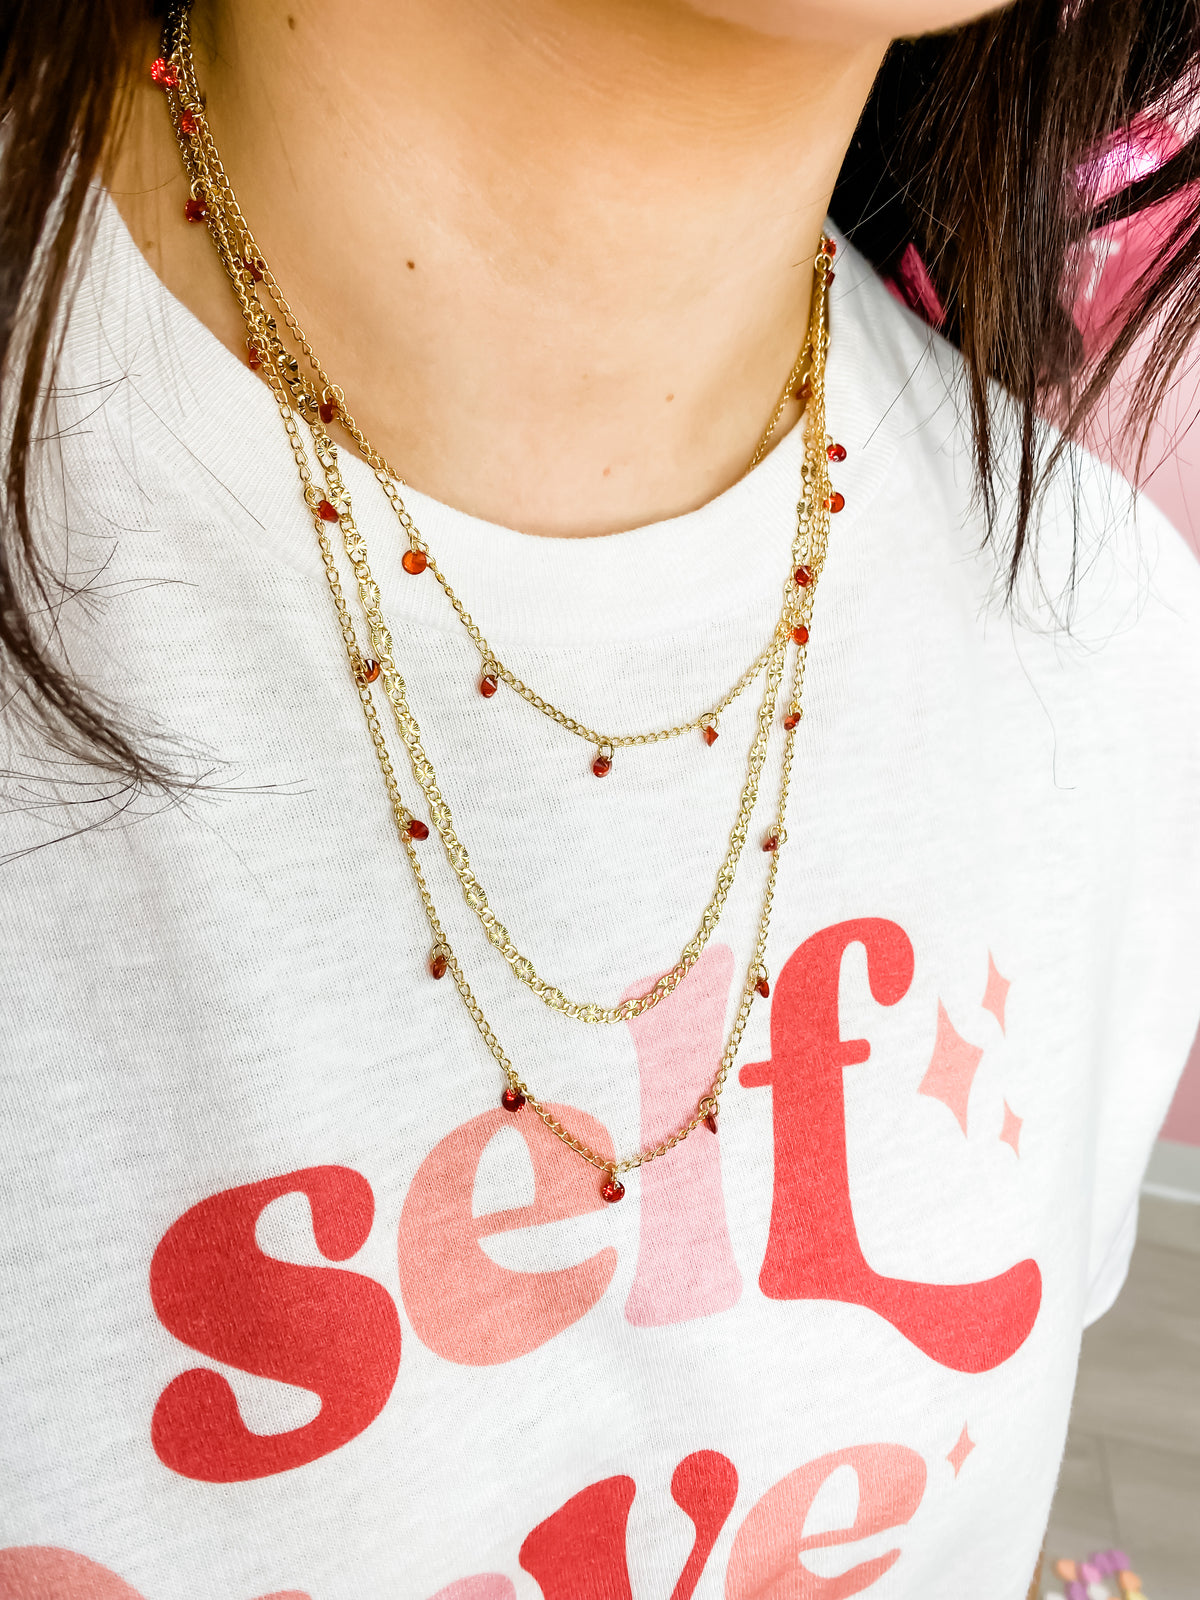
[[309, 403]]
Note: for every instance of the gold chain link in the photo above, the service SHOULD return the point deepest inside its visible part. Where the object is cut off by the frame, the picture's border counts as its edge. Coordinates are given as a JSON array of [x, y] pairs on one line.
[[210, 178], [442, 818], [294, 397], [796, 607]]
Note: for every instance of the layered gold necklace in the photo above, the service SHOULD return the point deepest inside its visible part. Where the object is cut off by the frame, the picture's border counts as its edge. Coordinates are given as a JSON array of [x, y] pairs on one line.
[[310, 404]]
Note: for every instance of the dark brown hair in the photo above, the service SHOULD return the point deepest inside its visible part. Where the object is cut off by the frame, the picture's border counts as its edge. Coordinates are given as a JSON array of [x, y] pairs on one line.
[[974, 149], [981, 147]]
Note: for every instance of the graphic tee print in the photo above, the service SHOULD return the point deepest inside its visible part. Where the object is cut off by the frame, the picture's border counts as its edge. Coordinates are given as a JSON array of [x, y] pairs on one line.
[[294, 1308]]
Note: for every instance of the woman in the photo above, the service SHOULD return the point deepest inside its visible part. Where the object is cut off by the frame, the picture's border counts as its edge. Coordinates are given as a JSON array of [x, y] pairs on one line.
[[863, 984]]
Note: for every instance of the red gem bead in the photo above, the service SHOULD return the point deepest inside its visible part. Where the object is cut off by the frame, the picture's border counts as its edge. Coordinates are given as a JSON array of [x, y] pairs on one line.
[[831, 247], [327, 410], [835, 502], [771, 843], [370, 671], [187, 123], [763, 988], [254, 268], [804, 392], [437, 965], [836, 452], [164, 73], [415, 562], [488, 685], [195, 209], [512, 1100], [792, 720], [710, 1122], [602, 767], [254, 357], [710, 735], [612, 1190], [803, 576], [418, 829], [800, 633], [830, 275], [327, 512]]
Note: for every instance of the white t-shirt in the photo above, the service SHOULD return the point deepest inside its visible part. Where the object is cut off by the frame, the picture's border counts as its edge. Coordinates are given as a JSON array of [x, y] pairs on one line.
[[291, 1306]]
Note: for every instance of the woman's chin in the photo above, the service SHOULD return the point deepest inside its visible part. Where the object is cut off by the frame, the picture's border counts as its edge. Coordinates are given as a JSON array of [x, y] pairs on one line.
[[847, 19]]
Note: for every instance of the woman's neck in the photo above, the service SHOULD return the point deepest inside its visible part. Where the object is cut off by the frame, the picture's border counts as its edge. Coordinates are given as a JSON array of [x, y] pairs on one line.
[[556, 252]]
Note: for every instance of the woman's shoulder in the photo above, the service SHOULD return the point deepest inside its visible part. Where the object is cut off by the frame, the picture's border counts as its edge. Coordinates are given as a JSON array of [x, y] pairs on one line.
[[1097, 547], [1096, 648]]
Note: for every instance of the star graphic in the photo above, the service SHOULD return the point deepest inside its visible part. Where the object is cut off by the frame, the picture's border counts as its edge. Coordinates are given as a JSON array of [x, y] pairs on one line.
[[961, 1450], [1010, 1133], [996, 993], [951, 1069]]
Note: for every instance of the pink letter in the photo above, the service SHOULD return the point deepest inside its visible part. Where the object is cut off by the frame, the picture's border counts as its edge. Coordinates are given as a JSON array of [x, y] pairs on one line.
[[685, 1264], [484, 1586], [462, 1305], [43, 1572], [813, 1251], [763, 1564]]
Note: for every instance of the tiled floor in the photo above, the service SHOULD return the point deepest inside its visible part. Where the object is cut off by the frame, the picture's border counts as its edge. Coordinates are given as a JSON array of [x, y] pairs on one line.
[[1131, 1476]]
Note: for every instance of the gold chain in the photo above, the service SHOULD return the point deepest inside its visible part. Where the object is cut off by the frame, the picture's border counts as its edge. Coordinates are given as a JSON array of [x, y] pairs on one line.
[[214, 202], [798, 387], [211, 184], [439, 810], [227, 224]]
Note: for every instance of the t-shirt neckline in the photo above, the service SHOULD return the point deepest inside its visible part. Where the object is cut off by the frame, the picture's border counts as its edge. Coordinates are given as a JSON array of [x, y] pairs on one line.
[[726, 558]]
